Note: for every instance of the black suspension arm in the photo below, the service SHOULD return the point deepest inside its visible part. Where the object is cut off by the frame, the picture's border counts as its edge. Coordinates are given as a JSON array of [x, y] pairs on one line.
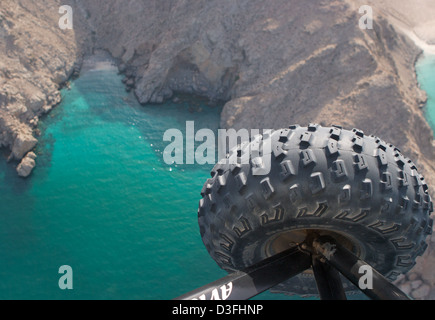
[[243, 285], [349, 265]]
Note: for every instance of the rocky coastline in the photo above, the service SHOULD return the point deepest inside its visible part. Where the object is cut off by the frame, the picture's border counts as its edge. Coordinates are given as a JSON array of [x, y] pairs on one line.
[[255, 57], [274, 64], [36, 61]]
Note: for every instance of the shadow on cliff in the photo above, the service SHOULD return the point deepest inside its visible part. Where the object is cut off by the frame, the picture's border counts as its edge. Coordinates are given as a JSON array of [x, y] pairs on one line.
[[105, 99]]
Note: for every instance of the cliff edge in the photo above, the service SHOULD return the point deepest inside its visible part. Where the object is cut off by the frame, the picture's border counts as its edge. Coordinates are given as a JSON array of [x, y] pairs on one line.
[[274, 63]]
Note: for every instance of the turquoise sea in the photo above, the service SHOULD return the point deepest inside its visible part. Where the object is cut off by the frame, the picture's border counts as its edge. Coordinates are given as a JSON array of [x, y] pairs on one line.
[[426, 76], [102, 200]]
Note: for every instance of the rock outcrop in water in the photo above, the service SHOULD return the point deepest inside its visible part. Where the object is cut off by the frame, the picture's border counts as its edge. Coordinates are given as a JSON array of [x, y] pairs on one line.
[[26, 165], [275, 63], [36, 58]]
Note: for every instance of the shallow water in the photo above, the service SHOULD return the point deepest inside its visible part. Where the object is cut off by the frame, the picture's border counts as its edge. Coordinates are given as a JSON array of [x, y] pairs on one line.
[[102, 201], [426, 77]]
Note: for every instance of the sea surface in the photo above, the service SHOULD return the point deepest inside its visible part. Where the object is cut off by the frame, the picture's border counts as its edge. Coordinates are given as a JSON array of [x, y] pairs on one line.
[[426, 77], [102, 200]]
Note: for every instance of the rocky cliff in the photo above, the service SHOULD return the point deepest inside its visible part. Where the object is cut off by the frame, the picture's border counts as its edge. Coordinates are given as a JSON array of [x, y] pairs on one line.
[[274, 63], [36, 58]]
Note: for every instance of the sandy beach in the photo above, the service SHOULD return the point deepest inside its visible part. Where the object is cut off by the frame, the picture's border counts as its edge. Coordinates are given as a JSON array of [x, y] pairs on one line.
[[416, 18]]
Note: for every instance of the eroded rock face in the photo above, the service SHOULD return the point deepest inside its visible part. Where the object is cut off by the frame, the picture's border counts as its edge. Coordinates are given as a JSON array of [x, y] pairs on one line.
[[36, 57], [275, 63], [22, 145], [24, 169]]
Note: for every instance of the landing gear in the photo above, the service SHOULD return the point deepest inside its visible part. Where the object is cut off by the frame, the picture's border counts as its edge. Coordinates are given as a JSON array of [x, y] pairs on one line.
[[327, 260], [333, 199]]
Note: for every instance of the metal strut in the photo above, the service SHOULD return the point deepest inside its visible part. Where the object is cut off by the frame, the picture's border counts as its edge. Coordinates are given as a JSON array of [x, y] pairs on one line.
[[328, 280], [243, 285], [349, 265], [326, 257]]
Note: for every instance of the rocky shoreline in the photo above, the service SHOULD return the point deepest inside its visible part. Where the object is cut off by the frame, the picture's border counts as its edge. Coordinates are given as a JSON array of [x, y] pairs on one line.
[[274, 64], [255, 57], [35, 62]]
